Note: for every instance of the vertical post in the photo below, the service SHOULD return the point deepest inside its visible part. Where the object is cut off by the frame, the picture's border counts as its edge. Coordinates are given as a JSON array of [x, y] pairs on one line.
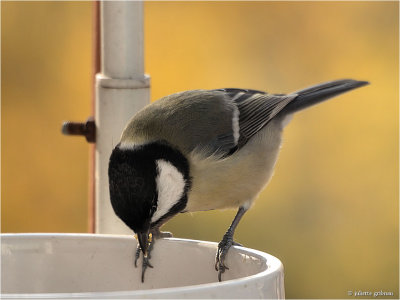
[[92, 148], [122, 89]]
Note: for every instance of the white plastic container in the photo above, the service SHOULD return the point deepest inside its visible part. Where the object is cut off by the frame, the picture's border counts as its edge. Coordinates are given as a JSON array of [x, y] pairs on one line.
[[102, 266]]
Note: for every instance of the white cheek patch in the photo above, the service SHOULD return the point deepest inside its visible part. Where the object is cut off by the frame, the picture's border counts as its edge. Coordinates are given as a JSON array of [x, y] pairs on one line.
[[170, 187]]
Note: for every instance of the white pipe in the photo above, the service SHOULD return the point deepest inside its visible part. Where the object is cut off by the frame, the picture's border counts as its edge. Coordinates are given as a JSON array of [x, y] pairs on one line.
[[122, 39], [122, 89]]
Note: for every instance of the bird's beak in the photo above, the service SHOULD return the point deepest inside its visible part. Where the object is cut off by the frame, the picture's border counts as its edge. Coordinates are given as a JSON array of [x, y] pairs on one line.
[[143, 238]]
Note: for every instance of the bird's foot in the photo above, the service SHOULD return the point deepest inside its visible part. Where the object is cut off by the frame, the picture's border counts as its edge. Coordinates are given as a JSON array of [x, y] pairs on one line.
[[137, 254], [145, 264], [154, 234], [223, 247], [161, 234], [146, 258]]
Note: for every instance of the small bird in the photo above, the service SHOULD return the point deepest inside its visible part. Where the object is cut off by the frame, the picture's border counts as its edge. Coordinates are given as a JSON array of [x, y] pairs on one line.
[[202, 150]]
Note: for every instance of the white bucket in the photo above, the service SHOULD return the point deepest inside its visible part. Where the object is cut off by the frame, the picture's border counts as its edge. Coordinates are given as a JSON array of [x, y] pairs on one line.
[[102, 266]]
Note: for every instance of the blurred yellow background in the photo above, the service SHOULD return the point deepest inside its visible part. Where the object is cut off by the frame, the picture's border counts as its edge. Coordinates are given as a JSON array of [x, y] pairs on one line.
[[330, 213]]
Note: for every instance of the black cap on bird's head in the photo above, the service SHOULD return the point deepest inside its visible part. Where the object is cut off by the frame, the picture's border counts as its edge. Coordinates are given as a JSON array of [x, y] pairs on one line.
[[148, 185]]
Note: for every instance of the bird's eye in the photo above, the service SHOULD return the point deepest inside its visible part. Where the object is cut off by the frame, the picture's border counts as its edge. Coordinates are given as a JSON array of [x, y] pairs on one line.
[[152, 210], [153, 205]]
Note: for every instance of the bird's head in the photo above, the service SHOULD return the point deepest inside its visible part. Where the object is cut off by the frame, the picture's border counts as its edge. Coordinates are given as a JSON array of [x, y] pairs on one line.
[[148, 185]]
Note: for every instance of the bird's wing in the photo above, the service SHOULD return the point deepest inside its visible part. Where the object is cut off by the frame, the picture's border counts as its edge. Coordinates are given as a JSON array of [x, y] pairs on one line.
[[245, 113], [200, 120], [211, 122], [256, 109]]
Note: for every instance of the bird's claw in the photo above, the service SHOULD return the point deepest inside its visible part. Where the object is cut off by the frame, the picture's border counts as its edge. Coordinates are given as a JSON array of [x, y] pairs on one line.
[[155, 234], [146, 258], [223, 247], [146, 263], [161, 234], [139, 250], [137, 254]]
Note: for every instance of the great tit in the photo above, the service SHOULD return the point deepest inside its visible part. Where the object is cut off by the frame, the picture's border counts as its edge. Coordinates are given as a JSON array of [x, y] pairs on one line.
[[202, 150]]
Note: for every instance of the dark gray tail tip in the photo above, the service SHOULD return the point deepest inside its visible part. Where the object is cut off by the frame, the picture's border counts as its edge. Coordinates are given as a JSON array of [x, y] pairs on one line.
[[356, 83]]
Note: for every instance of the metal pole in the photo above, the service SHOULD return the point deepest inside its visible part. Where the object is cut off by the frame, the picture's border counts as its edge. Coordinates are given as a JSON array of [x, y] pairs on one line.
[[122, 89], [92, 148]]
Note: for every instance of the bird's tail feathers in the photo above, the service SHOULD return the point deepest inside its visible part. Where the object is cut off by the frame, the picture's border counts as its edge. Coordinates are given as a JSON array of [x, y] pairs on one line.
[[320, 92]]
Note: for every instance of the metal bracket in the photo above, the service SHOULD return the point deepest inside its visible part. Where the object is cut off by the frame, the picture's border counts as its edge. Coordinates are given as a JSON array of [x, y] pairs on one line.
[[87, 129]]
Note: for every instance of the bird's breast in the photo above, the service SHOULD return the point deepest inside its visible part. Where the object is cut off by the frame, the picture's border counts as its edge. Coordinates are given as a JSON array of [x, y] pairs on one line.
[[237, 179]]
